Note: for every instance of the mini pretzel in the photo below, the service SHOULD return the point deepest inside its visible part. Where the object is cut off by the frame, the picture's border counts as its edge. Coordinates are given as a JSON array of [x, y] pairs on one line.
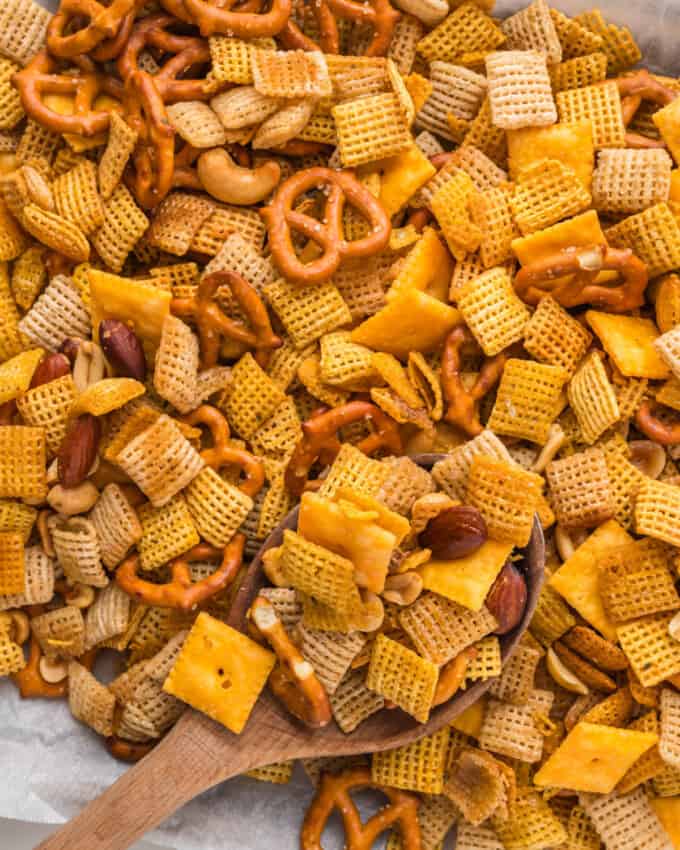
[[293, 681], [635, 88], [30, 681], [333, 793], [281, 219], [379, 14], [128, 751], [319, 437], [221, 454], [40, 77], [462, 404], [212, 324], [452, 676], [180, 592], [537, 279], [218, 17], [104, 22], [654, 428]]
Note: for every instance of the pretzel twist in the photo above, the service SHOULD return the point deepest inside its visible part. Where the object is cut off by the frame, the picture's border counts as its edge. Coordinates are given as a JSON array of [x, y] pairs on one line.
[[40, 77], [180, 592], [245, 22], [463, 404], [293, 681], [635, 88], [128, 751], [334, 793], [281, 219], [581, 266], [104, 22], [320, 441], [222, 454], [379, 14], [212, 324], [661, 432]]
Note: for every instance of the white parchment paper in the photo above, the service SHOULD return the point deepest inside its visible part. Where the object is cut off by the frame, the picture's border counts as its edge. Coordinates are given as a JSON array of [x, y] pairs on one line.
[[51, 766]]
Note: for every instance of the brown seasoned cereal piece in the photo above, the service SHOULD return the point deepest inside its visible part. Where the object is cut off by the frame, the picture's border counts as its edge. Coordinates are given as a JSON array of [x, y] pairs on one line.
[[511, 730], [352, 702], [629, 181], [625, 822], [533, 28], [90, 702], [669, 741], [653, 654], [657, 511], [124, 225], [516, 681], [330, 654], [177, 222], [23, 25], [116, 523], [580, 489], [38, 581], [60, 632]]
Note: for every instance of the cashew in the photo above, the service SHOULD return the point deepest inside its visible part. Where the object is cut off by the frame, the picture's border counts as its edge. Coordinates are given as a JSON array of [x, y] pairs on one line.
[[228, 182], [74, 500], [45, 534], [556, 438], [79, 596], [52, 671], [567, 541], [15, 624], [89, 366], [673, 628], [271, 564], [430, 12], [372, 613], [403, 589], [648, 457]]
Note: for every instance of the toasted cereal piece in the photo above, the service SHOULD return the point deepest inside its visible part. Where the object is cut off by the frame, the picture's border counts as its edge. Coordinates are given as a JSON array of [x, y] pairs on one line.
[[279, 773], [648, 765], [371, 128], [624, 478], [243, 106], [528, 400], [451, 473], [405, 482], [176, 366], [58, 313], [617, 42], [253, 398], [580, 489], [242, 256], [487, 662], [553, 336], [360, 283], [167, 531], [449, 203], [346, 364], [478, 784], [583, 670], [78, 551], [22, 463], [19, 518], [48, 406], [285, 124], [456, 91], [657, 511], [533, 28], [330, 653], [516, 681], [90, 702], [669, 741], [16, 373], [511, 730], [160, 460], [469, 837], [107, 395], [177, 221], [279, 435], [77, 199], [12, 563], [403, 677], [465, 30], [353, 469], [546, 192], [11, 657], [593, 399], [578, 72], [614, 710], [196, 123], [120, 144], [60, 632], [589, 644], [575, 38], [486, 136], [667, 783], [491, 212], [652, 652], [22, 27], [29, 276], [353, 702], [13, 241], [636, 581], [291, 73], [38, 581], [217, 507], [625, 822], [56, 233], [599, 103], [405, 37], [224, 220], [494, 488], [653, 235], [357, 76], [107, 617], [418, 766], [116, 523], [309, 375], [668, 346], [630, 181], [307, 312], [124, 225], [286, 602], [231, 58], [520, 94], [37, 141], [11, 110]]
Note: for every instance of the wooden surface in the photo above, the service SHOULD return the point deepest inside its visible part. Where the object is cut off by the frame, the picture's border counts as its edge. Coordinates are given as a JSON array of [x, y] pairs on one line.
[[197, 753]]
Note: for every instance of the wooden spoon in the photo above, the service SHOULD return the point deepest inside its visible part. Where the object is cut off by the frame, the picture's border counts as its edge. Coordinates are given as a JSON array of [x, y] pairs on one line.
[[197, 753]]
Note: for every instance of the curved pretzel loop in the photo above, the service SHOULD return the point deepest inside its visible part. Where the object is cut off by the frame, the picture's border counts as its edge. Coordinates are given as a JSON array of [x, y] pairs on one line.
[[30, 681], [184, 174], [293, 681], [40, 77], [378, 14], [656, 429], [128, 751], [222, 454], [334, 793], [281, 219], [212, 324], [180, 592], [635, 88], [537, 279], [243, 22], [319, 439], [463, 404], [103, 22]]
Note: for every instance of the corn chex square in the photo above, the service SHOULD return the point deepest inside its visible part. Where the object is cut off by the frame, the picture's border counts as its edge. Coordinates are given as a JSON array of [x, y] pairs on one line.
[[419, 766], [371, 128], [592, 398], [652, 235], [493, 311], [403, 677], [653, 654], [546, 192], [553, 336]]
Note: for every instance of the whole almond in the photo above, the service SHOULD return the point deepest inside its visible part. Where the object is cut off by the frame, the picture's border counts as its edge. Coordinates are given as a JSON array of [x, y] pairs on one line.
[[78, 450], [122, 349], [454, 533], [507, 598], [49, 369]]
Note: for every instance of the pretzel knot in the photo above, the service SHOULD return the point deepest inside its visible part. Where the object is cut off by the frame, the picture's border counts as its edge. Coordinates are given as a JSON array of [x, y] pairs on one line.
[[655, 428], [281, 219], [378, 14], [319, 439], [212, 324], [103, 22], [635, 88], [293, 680], [582, 266], [40, 77], [463, 403], [222, 454], [244, 22], [334, 793], [180, 592]]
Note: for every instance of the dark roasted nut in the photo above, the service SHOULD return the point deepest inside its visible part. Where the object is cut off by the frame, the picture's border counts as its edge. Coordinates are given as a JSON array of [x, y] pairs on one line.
[[70, 347], [122, 349], [507, 598], [454, 533], [78, 450], [49, 369], [7, 411]]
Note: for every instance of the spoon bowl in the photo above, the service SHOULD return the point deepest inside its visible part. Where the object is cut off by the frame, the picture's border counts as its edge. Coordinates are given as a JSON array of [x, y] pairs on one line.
[[197, 753]]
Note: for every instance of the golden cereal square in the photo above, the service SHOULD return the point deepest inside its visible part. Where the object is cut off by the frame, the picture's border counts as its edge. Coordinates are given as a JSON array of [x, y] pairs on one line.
[[667, 121], [553, 336], [580, 490], [16, 373], [220, 672], [371, 128], [652, 235], [418, 766], [653, 654], [12, 567], [575, 39], [578, 72], [493, 311], [167, 532], [592, 398], [657, 511], [546, 192], [253, 397], [22, 462], [601, 104], [449, 204], [467, 29], [403, 677], [307, 312], [491, 212], [533, 28]]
